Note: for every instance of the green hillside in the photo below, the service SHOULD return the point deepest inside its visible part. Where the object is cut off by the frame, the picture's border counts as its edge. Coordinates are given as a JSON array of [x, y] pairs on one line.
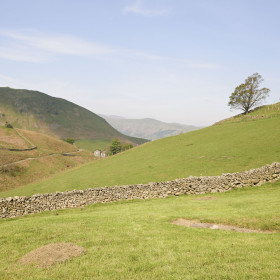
[[40, 112], [46, 156], [236, 144]]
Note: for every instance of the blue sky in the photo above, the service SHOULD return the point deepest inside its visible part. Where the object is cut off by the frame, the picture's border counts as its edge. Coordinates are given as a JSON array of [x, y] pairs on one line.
[[173, 60]]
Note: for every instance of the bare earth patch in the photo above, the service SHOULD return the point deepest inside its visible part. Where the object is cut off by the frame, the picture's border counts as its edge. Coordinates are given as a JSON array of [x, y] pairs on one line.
[[207, 198], [197, 224], [52, 254]]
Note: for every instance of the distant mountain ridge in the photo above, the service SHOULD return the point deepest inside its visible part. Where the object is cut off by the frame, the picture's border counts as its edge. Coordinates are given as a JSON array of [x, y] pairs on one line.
[[37, 111], [147, 128]]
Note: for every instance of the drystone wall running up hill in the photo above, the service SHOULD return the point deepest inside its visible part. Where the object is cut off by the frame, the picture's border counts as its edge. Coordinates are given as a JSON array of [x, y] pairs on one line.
[[19, 206]]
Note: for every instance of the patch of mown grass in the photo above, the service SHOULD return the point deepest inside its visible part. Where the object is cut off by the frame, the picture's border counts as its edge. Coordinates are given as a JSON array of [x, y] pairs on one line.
[[229, 147], [135, 239]]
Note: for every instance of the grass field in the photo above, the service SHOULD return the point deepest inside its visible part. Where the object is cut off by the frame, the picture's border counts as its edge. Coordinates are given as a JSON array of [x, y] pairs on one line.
[[229, 147], [135, 239]]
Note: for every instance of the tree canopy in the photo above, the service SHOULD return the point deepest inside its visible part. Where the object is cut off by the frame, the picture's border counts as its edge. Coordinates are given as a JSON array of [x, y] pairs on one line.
[[248, 95], [116, 147]]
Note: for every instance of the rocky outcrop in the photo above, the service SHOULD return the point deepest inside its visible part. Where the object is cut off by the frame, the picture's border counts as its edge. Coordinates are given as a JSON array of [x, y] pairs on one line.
[[19, 206]]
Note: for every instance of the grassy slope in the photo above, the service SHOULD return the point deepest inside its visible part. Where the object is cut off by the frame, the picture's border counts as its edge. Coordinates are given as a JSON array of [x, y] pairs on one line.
[[93, 144], [135, 240], [33, 170], [9, 139], [37, 111], [45, 145], [235, 145]]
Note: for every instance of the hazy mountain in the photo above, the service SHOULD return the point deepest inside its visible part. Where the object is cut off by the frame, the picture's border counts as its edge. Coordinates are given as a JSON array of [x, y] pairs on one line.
[[147, 128], [38, 111]]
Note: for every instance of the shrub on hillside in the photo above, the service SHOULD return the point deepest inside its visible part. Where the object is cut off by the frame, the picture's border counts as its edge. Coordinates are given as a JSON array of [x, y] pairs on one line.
[[127, 147], [8, 125], [12, 170], [70, 141]]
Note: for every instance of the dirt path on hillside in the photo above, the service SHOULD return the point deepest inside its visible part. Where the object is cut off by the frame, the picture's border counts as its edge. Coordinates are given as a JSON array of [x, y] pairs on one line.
[[25, 138], [45, 156]]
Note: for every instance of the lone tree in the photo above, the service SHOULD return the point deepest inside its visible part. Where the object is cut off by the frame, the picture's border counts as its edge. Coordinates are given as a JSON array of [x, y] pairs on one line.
[[116, 147], [248, 95]]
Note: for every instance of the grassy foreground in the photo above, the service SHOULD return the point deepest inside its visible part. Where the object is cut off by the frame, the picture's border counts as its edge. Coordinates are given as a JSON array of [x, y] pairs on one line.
[[135, 240], [235, 145]]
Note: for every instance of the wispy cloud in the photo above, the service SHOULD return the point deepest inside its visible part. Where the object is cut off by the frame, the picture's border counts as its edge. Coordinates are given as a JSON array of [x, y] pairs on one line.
[[60, 44], [201, 65], [137, 7], [20, 53], [36, 47]]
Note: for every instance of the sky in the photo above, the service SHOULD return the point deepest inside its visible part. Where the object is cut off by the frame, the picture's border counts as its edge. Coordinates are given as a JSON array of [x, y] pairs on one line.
[[172, 60]]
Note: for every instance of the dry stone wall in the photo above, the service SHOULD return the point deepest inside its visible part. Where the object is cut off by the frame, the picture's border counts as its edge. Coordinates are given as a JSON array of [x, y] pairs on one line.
[[19, 206], [19, 150]]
